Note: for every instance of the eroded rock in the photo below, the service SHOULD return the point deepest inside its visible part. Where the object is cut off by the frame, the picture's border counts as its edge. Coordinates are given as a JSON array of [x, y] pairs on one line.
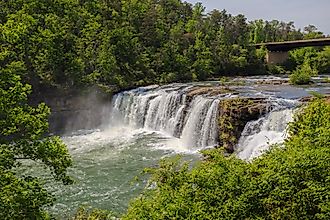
[[234, 115], [211, 91]]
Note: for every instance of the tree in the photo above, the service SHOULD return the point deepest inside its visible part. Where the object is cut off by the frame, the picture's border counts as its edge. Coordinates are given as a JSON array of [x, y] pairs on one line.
[[317, 58], [312, 32], [287, 182], [202, 65], [22, 138]]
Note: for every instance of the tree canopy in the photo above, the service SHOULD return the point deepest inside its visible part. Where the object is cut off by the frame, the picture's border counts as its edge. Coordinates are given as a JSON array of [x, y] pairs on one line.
[[121, 44], [22, 138]]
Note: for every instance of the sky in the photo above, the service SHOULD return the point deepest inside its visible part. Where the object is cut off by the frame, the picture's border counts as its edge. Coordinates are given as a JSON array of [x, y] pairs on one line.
[[302, 12]]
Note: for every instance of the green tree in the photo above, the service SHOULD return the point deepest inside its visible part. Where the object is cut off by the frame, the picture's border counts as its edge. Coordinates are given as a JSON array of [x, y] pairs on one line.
[[322, 61], [311, 32], [202, 65], [22, 138], [287, 182]]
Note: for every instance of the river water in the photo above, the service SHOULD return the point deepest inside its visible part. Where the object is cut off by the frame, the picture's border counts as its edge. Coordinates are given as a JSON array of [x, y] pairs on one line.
[[106, 163], [147, 124]]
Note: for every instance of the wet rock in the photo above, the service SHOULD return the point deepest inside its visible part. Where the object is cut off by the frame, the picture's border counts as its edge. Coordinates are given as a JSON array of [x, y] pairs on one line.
[[209, 91], [273, 82], [234, 114], [310, 98]]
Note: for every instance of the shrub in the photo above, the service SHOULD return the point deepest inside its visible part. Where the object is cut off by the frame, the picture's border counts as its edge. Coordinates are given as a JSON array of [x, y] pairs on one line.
[[93, 214], [302, 75], [290, 182], [276, 70]]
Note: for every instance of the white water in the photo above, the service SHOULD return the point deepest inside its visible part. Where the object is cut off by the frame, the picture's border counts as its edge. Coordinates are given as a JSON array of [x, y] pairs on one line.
[[106, 161], [201, 128], [147, 124], [194, 124], [258, 135]]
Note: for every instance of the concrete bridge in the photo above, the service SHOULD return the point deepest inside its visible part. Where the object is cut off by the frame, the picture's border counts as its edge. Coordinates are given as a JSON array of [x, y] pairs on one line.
[[278, 51]]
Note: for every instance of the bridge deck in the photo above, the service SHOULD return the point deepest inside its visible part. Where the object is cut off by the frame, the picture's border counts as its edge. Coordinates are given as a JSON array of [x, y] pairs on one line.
[[289, 45]]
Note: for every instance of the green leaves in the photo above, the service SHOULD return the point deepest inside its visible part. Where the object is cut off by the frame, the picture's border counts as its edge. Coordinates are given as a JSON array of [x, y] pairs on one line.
[[303, 74], [288, 182], [22, 137], [95, 214], [309, 62]]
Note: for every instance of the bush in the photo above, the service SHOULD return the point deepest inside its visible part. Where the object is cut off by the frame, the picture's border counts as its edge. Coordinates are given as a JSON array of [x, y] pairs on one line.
[[94, 214], [290, 182], [303, 74], [276, 70]]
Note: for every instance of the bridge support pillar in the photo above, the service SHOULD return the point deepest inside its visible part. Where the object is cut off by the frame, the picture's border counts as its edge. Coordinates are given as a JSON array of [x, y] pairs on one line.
[[276, 57]]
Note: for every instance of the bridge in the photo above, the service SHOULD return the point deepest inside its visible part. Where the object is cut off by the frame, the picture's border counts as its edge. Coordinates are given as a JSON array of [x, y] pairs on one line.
[[278, 51]]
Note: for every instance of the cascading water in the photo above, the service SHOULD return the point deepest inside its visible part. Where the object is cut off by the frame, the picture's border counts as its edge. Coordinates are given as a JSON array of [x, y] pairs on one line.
[[168, 110], [146, 124], [195, 122], [259, 135], [201, 128]]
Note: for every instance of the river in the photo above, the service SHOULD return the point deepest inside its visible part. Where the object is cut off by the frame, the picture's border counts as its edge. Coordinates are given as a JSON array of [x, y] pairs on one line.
[[147, 124]]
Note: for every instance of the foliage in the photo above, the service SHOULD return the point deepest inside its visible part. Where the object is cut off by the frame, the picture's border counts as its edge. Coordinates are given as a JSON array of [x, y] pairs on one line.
[[311, 122], [322, 61], [318, 58], [312, 32], [95, 214], [272, 31], [276, 69], [22, 130], [121, 44], [289, 182], [302, 75]]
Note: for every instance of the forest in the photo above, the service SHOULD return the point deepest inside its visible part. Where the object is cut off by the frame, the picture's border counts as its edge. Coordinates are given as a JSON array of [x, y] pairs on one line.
[[116, 45], [122, 44]]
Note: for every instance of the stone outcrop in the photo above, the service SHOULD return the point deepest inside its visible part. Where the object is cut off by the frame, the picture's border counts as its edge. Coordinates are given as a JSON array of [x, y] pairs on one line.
[[310, 98], [273, 82], [208, 90], [233, 116], [233, 113]]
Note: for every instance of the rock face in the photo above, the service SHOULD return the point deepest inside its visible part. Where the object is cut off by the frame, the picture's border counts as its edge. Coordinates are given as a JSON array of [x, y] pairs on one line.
[[208, 90], [310, 98], [234, 113], [74, 110], [233, 116], [274, 82]]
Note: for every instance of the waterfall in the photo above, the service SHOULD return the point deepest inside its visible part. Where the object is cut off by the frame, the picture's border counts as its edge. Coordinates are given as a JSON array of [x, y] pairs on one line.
[[167, 110], [258, 135], [201, 126], [194, 120]]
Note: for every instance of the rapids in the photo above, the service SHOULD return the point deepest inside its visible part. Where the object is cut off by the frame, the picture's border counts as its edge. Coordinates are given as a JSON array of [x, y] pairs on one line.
[[146, 124]]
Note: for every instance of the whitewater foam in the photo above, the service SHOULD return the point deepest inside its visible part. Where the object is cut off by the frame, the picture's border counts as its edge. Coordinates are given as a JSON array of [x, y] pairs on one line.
[[259, 135]]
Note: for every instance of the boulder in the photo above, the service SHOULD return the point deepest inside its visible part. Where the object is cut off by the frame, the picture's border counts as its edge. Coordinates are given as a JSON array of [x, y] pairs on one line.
[[234, 114]]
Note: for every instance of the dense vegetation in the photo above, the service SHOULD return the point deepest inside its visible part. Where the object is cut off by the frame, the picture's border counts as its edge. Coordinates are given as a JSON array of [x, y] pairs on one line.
[[22, 139], [308, 62], [288, 182], [119, 44]]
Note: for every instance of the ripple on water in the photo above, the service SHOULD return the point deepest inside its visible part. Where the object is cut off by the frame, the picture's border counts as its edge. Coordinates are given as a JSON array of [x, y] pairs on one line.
[[105, 166]]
